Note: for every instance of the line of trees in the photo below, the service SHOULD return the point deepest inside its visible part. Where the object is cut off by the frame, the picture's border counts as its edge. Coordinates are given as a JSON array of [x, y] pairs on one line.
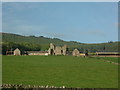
[[33, 43], [10, 46]]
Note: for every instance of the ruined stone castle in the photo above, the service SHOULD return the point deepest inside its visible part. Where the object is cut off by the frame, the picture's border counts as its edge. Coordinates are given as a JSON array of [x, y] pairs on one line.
[[57, 50]]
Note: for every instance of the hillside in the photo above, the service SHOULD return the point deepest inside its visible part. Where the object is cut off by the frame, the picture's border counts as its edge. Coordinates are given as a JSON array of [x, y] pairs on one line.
[[42, 43]]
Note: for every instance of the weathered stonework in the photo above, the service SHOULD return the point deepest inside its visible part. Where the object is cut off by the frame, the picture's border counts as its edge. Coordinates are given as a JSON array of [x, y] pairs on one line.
[[64, 49], [57, 50], [76, 52], [17, 52]]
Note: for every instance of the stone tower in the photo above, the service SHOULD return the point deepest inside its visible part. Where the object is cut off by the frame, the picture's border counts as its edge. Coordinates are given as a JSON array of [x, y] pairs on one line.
[[51, 49], [64, 50]]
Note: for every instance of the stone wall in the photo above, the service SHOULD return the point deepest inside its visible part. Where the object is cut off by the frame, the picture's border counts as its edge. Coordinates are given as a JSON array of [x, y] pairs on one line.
[[64, 49], [46, 87], [57, 50], [76, 52], [17, 52]]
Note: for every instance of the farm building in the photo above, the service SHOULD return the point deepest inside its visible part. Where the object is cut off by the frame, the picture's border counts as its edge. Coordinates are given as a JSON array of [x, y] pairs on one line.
[[9, 52], [82, 54], [37, 52], [76, 52], [108, 53], [57, 50], [17, 52]]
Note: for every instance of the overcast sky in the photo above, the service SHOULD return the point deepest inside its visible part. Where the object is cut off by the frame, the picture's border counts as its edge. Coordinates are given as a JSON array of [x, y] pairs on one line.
[[87, 22]]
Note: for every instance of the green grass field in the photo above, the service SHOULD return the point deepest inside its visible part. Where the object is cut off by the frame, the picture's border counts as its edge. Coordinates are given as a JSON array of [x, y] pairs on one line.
[[0, 69], [113, 59], [89, 72]]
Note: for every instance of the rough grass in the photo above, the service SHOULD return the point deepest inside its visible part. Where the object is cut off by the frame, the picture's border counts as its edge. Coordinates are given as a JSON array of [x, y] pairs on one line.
[[60, 70], [113, 59]]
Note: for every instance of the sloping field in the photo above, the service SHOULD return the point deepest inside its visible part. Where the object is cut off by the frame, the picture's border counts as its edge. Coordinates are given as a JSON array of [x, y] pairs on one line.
[[60, 70]]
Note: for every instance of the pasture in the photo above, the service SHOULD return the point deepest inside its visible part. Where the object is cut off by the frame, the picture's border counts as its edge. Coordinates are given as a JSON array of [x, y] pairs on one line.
[[69, 71]]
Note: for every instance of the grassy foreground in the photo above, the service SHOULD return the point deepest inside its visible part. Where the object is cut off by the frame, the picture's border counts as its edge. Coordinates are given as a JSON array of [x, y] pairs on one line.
[[0, 69], [60, 70]]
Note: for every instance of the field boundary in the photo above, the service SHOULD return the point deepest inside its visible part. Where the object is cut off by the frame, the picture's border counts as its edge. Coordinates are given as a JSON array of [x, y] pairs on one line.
[[111, 62], [33, 87]]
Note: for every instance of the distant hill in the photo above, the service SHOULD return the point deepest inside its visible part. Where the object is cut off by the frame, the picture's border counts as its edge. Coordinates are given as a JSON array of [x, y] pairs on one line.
[[43, 43], [9, 37]]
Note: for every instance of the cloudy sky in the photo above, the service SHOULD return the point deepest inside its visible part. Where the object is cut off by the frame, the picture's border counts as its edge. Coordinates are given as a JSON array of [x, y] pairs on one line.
[[87, 22]]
